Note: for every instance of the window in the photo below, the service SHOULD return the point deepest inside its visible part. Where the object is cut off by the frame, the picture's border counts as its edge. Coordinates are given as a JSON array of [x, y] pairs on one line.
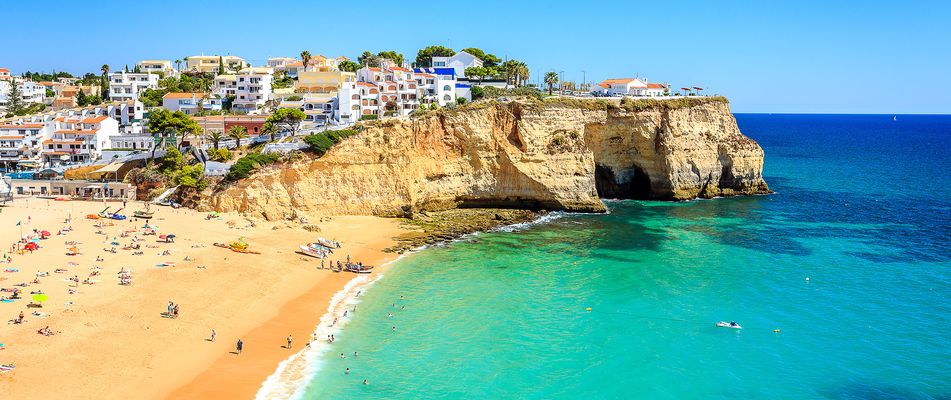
[[446, 88]]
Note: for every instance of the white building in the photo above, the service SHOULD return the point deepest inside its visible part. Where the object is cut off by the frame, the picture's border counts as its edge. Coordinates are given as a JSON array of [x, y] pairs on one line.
[[129, 113], [78, 140], [439, 85], [191, 103], [131, 142], [163, 67], [30, 92], [629, 87], [279, 63], [127, 85], [22, 142], [253, 88], [459, 62]]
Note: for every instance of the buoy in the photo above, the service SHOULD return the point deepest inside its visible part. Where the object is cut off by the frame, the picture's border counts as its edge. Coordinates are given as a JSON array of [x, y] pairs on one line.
[[588, 309], [776, 330]]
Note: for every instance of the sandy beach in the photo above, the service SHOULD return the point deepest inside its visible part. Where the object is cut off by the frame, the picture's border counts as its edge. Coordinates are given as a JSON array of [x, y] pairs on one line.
[[113, 341]]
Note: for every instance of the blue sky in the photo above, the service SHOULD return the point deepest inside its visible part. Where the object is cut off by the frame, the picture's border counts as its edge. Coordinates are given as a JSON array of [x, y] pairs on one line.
[[802, 56]]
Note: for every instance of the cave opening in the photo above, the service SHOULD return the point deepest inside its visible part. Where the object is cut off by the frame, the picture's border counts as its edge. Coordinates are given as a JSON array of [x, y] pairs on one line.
[[631, 183]]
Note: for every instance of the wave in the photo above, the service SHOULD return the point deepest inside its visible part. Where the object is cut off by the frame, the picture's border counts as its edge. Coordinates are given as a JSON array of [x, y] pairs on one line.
[[291, 378]]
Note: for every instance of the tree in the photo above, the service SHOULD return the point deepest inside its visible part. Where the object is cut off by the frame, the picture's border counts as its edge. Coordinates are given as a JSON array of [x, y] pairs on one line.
[[178, 65], [305, 57], [368, 59], [424, 57], [392, 56], [15, 103], [214, 137], [289, 118], [165, 121], [221, 65], [477, 72], [237, 133], [348, 66], [105, 79], [488, 60], [551, 78], [515, 72]]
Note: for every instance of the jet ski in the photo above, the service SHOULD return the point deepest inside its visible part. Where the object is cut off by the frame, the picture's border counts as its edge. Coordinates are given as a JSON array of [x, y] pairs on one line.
[[731, 325]]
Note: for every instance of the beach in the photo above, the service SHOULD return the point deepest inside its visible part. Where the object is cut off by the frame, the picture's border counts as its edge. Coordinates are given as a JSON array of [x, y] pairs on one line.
[[114, 341]]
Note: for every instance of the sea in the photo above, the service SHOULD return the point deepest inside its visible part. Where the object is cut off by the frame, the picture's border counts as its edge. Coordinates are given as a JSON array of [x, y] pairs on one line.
[[841, 281]]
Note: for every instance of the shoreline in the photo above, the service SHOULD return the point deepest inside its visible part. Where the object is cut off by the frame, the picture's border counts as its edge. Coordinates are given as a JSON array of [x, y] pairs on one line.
[[111, 340]]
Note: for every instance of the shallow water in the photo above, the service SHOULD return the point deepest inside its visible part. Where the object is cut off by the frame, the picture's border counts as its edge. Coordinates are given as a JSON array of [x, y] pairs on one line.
[[861, 209]]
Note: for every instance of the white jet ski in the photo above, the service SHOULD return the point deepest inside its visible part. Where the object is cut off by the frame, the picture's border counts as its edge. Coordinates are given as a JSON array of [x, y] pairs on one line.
[[731, 325]]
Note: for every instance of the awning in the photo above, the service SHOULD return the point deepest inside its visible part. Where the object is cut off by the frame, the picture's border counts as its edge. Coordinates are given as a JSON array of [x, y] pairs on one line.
[[112, 167]]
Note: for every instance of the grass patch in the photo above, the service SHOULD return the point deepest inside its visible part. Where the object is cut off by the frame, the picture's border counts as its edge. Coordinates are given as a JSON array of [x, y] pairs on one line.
[[248, 164]]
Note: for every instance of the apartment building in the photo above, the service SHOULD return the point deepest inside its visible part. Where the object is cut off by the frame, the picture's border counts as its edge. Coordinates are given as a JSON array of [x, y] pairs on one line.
[[253, 88], [127, 86], [78, 140], [210, 64], [22, 143]]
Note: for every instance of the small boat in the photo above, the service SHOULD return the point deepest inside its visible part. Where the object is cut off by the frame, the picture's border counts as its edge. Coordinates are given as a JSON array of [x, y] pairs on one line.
[[358, 268], [731, 325], [236, 249], [143, 214], [330, 244], [117, 216], [312, 252], [319, 247]]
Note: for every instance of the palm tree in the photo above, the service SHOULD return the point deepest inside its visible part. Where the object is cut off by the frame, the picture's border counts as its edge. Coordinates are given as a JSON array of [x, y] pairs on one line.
[[214, 137], [305, 57], [551, 78], [237, 133], [269, 129], [178, 65], [521, 73]]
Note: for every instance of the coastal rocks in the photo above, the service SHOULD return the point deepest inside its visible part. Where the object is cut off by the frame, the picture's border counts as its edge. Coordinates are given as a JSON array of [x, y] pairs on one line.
[[551, 155], [429, 228]]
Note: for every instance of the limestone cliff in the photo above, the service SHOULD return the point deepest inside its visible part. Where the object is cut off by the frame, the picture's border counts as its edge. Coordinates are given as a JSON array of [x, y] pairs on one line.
[[553, 155]]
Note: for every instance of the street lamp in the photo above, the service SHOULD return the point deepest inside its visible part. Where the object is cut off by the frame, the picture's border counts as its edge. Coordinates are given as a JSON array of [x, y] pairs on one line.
[[584, 78], [561, 81]]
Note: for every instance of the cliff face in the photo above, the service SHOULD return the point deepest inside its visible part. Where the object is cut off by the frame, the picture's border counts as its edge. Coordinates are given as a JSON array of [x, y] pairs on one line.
[[548, 155]]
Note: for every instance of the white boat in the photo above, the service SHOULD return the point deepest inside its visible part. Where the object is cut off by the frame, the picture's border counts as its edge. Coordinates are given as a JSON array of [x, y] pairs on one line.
[[320, 247], [330, 244], [731, 325], [310, 251]]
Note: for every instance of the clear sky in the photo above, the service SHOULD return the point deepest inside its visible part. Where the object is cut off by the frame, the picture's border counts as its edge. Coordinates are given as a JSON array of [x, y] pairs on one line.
[[798, 56]]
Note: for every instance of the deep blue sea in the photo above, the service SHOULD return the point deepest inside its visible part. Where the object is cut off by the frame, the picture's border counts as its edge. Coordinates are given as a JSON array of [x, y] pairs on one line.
[[862, 209]]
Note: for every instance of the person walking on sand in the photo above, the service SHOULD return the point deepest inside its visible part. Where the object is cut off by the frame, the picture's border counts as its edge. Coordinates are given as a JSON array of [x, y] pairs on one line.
[[239, 346], [213, 335], [290, 340]]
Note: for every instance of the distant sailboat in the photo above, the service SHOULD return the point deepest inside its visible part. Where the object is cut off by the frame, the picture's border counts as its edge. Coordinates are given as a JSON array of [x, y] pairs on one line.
[[895, 118]]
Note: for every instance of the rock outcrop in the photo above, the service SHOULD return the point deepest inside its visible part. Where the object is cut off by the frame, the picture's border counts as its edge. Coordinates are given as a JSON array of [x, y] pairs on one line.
[[551, 155]]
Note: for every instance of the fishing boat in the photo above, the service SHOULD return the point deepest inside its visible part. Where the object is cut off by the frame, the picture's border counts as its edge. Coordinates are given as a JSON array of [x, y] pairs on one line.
[[238, 246], [143, 214], [312, 252], [320, 247]]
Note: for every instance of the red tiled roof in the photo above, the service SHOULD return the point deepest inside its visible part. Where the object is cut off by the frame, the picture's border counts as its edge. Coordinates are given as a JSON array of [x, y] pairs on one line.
[[183, 95], [95, 120], [14, 126], [656, 86]]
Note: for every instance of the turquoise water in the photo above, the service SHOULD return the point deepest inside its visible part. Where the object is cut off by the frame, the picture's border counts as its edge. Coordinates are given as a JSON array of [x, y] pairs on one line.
[[861, 209]]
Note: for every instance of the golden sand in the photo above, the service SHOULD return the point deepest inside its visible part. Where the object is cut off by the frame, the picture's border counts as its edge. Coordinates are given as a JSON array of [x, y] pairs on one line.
[[112, 340]]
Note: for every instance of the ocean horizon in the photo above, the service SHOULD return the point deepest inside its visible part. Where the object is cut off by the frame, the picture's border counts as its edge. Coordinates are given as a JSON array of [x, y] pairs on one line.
[[840, 281]]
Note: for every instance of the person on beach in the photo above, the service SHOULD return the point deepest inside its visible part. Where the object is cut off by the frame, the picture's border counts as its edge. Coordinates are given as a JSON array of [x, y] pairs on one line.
[[213, 335], [290, 340], [239, 346]]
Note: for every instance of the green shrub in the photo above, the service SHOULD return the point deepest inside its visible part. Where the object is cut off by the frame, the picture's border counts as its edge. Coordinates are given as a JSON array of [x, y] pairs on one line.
[[477, 92], [369, 117], [319, 143], [191, 176], [172, 160], [294, 98], [461, 100], [246, 165], [490, 92], [221, 155]]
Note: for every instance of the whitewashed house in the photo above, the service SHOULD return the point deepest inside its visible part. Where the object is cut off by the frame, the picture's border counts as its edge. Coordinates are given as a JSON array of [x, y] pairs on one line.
[[253, 88], [629, 87]]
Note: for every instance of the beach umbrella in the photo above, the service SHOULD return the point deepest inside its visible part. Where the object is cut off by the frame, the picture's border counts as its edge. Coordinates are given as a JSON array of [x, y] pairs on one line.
[[31, 246], [40, 297], [45, 233]]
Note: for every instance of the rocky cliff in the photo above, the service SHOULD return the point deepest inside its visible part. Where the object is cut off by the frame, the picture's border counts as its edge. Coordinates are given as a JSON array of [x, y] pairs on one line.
[[553, 155]]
